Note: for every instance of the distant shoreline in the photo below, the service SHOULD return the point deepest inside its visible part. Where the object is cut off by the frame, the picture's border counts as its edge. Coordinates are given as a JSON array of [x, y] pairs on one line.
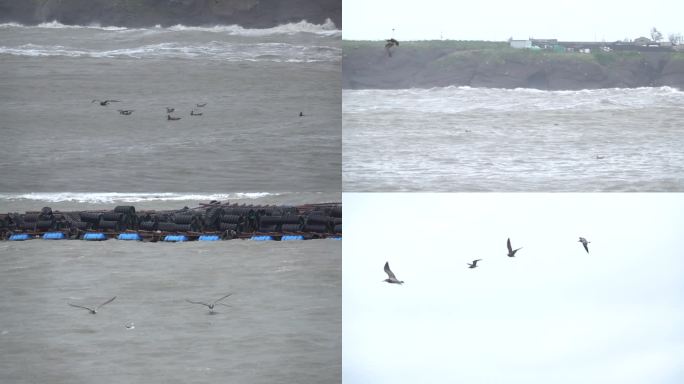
[[428, 64]]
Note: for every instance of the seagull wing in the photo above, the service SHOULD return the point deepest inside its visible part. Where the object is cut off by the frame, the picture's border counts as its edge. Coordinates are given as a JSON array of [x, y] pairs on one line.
[[586, 246], [80, 306], [508, 244], [112, 101], [106, 302], [389, 272], [197, 302], [475, 262], [225, 305], [222, 298]]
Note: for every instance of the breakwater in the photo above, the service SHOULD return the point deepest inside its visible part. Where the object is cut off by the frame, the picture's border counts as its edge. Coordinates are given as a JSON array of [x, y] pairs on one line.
[[207, 222]]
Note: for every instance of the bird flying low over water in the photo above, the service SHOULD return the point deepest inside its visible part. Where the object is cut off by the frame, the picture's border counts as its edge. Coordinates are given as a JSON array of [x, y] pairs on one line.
[[585, 243], [511, 251], [392, 279], [91, 310], [212, 305], [105, 102], [474, 263], [125, 112]]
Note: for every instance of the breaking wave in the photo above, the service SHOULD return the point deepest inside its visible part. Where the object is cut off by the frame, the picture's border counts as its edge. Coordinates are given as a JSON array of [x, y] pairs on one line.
[[326, 29], [278, 52]]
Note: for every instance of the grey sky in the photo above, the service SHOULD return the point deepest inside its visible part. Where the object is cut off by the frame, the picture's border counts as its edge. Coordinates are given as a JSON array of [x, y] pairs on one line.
[[498, 20], [552, 314]]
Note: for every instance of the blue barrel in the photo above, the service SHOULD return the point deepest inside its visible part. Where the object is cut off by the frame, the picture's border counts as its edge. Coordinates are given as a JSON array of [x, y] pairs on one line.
[[175, 238], [97, 236], [209, 238], [129, 236], [54, 236], [262, 238], [20, 237], [292, 237], [334, 238]]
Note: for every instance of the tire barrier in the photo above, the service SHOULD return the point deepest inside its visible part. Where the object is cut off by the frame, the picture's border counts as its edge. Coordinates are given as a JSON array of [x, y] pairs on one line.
[[289, 228], [109, 225], [45, 225], [148, 225], [208, 221], [90, 217], [125, 209], [166, 227]]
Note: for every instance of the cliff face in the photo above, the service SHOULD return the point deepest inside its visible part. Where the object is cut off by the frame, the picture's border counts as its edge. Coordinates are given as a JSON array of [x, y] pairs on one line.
[[142, 13], [482, 64]]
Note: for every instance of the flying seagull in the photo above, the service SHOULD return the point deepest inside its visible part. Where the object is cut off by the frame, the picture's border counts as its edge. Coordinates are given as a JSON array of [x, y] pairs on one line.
[[200, 105], [211, 306], [169, 117], [392, 279], [169, 110], [474, 264], [125, 112], [104, 102], [91, 310], [390, 44], [511, 251], [585, 243]]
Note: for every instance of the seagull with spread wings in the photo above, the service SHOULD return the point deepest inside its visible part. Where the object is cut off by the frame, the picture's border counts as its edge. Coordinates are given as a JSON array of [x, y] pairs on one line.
[[392, 279], [212, 305], [93, 310], [511, 251]]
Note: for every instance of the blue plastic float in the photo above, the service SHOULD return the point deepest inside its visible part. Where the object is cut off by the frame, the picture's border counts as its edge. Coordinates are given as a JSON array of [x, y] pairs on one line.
[[96, 236], [175, 238], [209, 238], [19, 237], [129, 236], [291, 237], [54, 236], [261, 238], [334, 238]]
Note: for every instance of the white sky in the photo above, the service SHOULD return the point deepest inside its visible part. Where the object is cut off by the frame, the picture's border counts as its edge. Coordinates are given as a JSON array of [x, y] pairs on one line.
[[583, 20], [552, 314]]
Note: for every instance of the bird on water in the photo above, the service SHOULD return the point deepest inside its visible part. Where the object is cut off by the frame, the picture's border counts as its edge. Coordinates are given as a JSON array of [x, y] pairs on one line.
[[212, 305], [474, 264], [169, 117], [585, 243], [125, 112], [105, 102], [200, 105], [93, 310], [392, 279], [193, 113], [511, 251]]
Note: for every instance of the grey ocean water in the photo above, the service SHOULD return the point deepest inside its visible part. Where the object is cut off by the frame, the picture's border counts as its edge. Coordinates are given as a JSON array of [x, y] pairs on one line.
[[250, 137], [482, 139], [284, 323]]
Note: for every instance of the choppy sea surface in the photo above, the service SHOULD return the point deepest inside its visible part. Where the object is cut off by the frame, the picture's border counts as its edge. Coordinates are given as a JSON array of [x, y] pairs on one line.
[[250, 137], [283, 323], [483, 139]]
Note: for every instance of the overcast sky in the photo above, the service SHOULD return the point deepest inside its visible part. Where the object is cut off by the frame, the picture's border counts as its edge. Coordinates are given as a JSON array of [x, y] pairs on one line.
[[552, 314], [583, 20]]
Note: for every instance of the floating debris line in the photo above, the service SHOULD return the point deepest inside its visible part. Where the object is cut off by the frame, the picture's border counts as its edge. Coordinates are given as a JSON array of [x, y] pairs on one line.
[[208, 222]]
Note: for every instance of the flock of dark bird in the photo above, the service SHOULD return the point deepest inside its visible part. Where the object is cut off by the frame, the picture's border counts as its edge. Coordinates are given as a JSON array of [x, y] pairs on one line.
[[392, 279], [210, 305], [169, 110]]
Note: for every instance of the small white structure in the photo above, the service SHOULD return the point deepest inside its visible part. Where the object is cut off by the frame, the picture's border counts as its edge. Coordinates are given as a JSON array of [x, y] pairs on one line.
[[521, 44]]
